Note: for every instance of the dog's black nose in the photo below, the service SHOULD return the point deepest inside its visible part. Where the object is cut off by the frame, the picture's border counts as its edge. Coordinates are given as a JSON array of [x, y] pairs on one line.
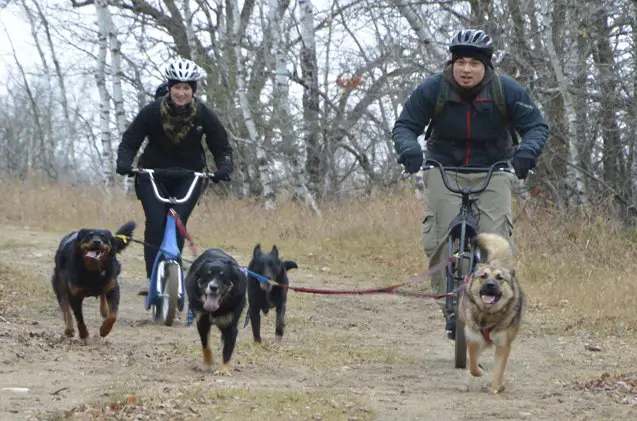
[[213, 289], [490, 283], [96, 242]]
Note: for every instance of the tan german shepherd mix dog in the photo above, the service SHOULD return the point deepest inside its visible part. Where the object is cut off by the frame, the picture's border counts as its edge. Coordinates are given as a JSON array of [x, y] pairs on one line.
[[491, 307]]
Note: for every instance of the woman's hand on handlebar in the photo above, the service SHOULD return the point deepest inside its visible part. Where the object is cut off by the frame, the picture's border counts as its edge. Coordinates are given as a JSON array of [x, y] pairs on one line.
[[216, 177]]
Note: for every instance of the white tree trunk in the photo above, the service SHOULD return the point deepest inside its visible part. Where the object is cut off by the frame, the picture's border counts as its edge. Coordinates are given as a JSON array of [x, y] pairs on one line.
[[265, 171], [116, 73], [311, 107], [293, 150], [100, 74], [575, 176], [190, 34]]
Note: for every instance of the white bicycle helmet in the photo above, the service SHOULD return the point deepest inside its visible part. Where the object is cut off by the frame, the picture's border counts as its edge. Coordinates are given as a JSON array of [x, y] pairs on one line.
[[183, 70]]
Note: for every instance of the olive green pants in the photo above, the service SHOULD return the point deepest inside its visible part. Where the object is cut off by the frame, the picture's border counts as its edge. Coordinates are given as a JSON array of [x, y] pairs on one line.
[[492, 209]]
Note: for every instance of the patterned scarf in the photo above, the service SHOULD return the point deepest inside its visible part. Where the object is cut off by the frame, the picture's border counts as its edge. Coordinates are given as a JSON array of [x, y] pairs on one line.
[[177, 121]]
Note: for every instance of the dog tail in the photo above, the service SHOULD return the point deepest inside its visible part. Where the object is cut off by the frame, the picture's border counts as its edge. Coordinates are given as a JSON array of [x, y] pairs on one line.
[[495, 249], [124, 234]]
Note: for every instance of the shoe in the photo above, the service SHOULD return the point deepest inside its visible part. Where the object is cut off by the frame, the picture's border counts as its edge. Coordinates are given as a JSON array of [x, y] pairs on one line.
[[144, 291]]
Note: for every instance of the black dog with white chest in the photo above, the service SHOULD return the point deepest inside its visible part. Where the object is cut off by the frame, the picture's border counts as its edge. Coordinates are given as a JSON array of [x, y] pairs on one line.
[[216, 289], [262, 296]]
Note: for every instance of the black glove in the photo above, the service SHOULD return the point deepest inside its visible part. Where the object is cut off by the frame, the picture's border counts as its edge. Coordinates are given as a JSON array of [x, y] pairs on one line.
[[123, 169], [523, 162], [411, 157], [221, 175]]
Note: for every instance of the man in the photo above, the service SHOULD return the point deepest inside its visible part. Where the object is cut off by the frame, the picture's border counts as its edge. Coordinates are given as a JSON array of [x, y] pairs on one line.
[[469, 130]]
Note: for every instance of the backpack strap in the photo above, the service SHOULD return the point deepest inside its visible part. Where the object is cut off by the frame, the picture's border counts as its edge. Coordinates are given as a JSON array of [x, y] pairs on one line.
[[441, 101], [500, 103]]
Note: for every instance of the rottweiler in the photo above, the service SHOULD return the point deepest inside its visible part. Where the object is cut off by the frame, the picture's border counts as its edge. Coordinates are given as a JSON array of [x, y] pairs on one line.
[[216, 288], [86, 266], [262, 296]]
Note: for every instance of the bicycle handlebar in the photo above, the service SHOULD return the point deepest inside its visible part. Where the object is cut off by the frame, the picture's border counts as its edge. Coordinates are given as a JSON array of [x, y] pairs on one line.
[[175, 173], [500, 166]]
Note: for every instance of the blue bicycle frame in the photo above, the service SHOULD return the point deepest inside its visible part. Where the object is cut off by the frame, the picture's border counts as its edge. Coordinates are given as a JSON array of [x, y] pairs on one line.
[[168, 253]]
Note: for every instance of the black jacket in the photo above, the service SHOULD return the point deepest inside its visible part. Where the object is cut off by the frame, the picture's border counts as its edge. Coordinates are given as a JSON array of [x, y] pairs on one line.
[[470, 134], [160, 152]]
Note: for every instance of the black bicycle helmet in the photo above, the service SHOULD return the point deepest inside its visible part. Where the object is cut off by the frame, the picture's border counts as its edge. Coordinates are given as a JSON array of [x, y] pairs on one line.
[[472, 38]]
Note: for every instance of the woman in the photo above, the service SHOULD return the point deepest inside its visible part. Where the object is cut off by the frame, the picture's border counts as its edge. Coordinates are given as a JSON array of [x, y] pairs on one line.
[[174, 124]]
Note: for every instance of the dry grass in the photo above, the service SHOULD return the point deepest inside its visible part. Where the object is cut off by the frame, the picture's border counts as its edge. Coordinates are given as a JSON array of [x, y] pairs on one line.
[[576, 270], [199, 401]]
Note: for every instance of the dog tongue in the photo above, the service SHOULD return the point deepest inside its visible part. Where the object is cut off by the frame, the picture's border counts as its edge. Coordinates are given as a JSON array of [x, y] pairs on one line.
[[94, 254], [211, 304], [488, 299]]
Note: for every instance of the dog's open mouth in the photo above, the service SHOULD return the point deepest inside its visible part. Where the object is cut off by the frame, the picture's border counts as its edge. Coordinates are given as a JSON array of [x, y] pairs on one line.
[[211, 303], [490, 299], [95, 253]]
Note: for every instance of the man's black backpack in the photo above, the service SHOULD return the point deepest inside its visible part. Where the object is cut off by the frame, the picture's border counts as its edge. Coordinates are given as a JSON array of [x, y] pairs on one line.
[[497, 93]]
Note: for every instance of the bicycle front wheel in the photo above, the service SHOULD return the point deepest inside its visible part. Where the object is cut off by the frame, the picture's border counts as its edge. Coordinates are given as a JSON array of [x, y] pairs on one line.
[[461, 341], [167, 307]]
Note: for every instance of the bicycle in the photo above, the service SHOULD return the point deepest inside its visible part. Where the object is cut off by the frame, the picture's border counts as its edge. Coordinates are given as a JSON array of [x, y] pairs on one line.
[[463, 228], [166, 291]]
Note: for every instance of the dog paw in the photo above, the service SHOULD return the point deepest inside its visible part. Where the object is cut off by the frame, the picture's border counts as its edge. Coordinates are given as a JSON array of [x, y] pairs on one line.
[[69, 333], [107, 325], [223, 370], [83, 331], [203, 368], [476, 373], [497, 389]]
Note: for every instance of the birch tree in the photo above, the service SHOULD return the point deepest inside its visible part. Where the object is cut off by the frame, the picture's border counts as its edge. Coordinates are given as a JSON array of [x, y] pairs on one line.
[[575, 176], [239, 24], [108, 163], [311, 103], [293, 151]]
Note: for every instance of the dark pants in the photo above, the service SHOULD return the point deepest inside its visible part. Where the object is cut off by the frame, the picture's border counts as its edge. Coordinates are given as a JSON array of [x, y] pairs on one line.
[[155, 211]]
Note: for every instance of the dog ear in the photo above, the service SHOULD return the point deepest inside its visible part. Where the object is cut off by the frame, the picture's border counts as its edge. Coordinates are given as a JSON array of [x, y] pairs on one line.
[[81, 234], [256, 253], [289, 264], [482, 253], [235, 272], [274, 252]]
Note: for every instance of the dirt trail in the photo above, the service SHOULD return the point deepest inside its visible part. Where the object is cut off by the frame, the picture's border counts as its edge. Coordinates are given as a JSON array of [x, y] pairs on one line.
[[343, 357]]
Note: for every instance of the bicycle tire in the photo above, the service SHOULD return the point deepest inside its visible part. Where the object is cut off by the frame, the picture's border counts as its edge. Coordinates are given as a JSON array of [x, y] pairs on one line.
[[165, 311], [457, 275], [460, 341]]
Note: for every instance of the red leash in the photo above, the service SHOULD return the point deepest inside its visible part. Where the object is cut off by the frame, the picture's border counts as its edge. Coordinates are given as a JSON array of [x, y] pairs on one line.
[[388, 290], [184, 232], [383, 290]]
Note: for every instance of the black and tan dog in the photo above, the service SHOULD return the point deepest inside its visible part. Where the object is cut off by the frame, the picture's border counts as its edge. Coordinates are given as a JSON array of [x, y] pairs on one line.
[[491, 307], [86, 266], [216, 289], [262, 296]]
